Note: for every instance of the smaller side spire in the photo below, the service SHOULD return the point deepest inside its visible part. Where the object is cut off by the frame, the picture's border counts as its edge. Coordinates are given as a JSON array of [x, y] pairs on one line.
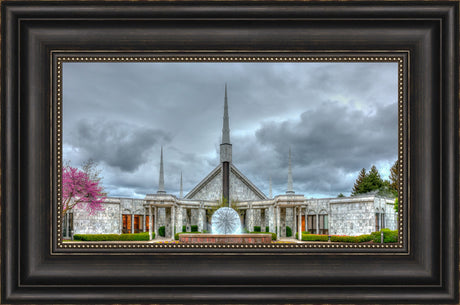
[[181, 194], [270, 195], [161, 180], [289, 187]]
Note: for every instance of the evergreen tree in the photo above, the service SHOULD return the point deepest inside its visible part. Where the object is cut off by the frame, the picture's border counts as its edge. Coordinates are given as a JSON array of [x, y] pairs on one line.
[[368, 182], [373, 181], [394, 176], [357, 186]]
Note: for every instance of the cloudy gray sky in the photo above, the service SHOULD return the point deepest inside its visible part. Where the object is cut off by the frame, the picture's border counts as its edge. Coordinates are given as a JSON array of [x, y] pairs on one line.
[[336, 117]]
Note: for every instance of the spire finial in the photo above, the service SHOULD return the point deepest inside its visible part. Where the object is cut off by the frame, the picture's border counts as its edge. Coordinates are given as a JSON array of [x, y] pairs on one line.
[[181, 190], [161, 180], [226, 128], [290, 188], [270, 195]]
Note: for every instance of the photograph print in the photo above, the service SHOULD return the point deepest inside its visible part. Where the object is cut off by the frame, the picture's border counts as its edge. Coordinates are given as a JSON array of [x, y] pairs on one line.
[[297, 153]]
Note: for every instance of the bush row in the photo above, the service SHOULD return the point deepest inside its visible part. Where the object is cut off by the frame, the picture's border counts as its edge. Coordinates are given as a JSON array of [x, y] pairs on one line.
[[113, 237], [351, 239], [273, 234], [389, 236], [176, 236]]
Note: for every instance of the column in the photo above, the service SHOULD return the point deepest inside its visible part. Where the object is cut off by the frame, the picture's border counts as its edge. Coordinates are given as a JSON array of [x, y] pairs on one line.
[[150, 222], [143, 221], [294, 226], [278, 222], [299, 224], [271, 219], [200, 218], [262, 220], [250, 218], [317, 223], [121, 220], [179, 220], [157, 217], [173, 222], [132, 223]]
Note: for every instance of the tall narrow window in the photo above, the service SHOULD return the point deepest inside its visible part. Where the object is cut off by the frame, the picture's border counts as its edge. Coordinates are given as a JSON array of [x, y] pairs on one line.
[[311, 219], [67, 223], [377, 222], [323, 224], [127, 223]]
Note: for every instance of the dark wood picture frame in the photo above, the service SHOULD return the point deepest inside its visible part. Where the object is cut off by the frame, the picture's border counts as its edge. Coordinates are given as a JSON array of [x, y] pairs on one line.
[[33, 271]]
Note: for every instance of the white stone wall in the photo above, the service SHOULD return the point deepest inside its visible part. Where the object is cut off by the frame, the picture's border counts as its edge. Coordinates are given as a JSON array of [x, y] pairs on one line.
[[101, 222], [351, 218], [212, 190], [239, 190]]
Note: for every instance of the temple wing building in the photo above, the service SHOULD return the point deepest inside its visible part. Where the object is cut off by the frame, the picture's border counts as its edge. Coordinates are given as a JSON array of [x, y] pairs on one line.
[[284, 214]]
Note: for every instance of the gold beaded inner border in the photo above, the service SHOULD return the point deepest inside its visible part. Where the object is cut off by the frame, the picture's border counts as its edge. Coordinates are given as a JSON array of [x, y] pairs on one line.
[[187, 59]]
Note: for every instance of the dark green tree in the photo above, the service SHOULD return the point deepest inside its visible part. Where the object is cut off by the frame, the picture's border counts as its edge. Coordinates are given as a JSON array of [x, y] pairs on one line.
[[358, 184], [368, 182], [340, 195], [394, 176]]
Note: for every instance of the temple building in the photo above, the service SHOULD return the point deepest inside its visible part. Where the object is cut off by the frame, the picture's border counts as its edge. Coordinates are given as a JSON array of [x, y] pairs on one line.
[[282, 214]]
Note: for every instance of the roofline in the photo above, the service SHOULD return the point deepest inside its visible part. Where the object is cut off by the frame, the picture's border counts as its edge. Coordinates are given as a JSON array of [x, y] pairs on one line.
[[208, 178]]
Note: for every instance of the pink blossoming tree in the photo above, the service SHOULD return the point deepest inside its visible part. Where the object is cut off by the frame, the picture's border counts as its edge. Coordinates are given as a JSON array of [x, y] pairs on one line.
[[78, 188]]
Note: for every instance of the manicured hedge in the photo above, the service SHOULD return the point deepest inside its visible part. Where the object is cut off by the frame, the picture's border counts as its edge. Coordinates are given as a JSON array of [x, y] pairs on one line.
[[351, 239], [176, 236], [162, 231], [273, 234], [389, 236], [194, 228], [113, 237], [267, 228], [184, 228], [314, 237], [288, 231], [257, 229]]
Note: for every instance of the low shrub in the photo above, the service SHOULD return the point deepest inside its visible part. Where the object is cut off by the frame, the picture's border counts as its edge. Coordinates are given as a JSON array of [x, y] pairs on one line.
[[288, 231], [364, 238], [113, 237], [194, 228], [389, 236], [273, 234], [176, 236], [257, 229], [184, 229], [314, 237], [267, 228], [162, 231]]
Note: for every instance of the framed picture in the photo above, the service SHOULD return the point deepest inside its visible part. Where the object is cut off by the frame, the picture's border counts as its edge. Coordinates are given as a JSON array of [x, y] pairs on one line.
[[231, 136]]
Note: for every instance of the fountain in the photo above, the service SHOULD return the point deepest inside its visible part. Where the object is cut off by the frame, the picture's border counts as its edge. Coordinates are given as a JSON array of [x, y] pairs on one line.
[[226, 228]]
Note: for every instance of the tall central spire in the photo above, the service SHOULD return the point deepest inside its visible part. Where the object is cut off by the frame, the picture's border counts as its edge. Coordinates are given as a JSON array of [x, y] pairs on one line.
[[226, 128], [226, 152], [161, 180], [290, 188], [225, 146]]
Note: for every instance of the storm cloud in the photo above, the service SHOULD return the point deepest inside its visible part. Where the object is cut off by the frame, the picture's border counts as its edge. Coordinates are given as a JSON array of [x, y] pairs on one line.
[[336, 117]]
